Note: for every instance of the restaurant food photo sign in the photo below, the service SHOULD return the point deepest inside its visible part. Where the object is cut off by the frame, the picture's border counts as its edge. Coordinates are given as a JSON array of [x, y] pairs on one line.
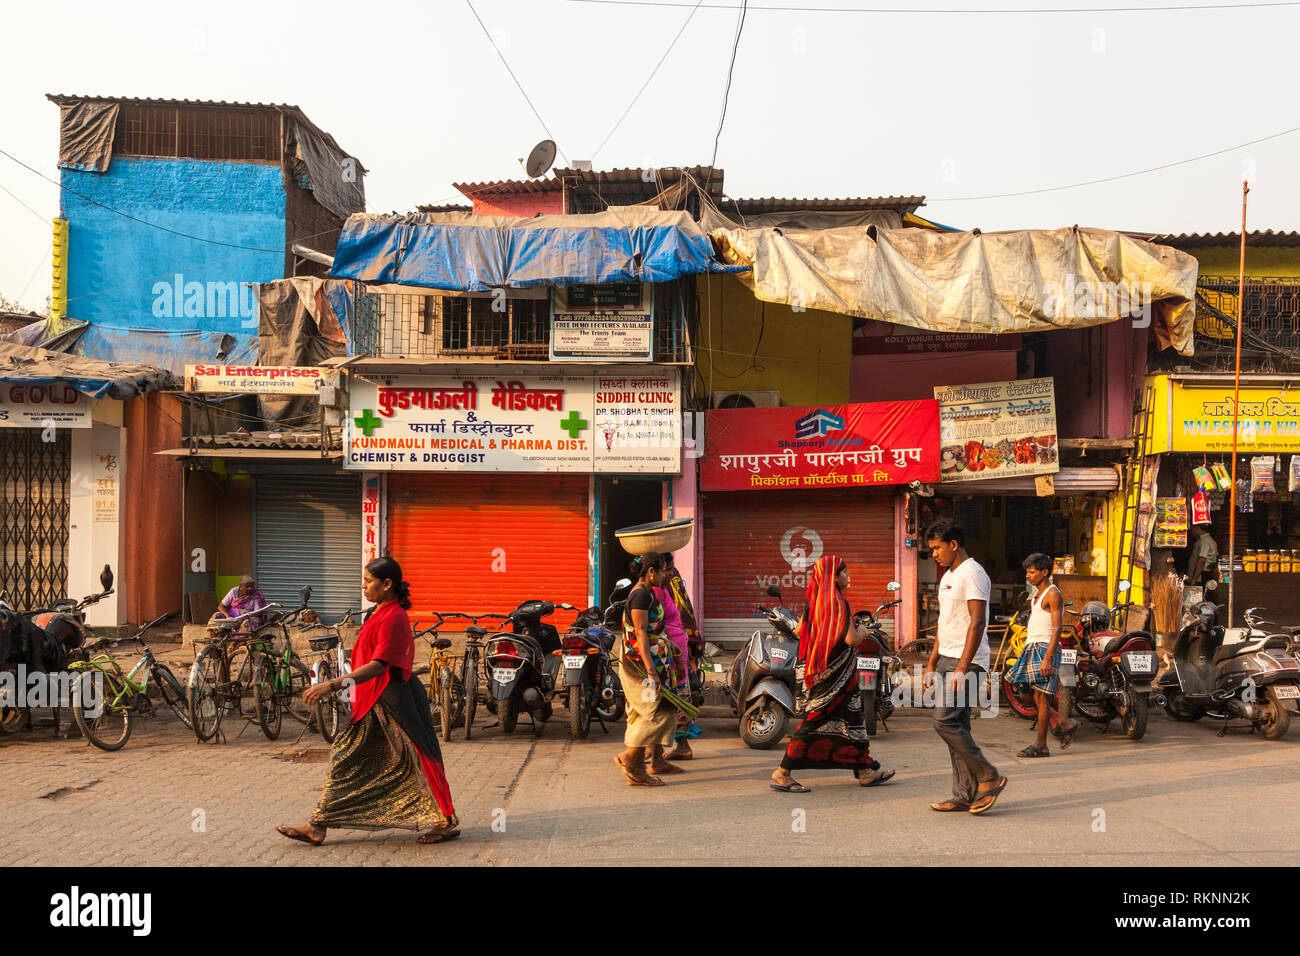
[[845, 446], [625, 421], [997, 430]]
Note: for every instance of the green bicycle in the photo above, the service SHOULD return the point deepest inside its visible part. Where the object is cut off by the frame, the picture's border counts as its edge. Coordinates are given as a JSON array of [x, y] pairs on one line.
[[279, 678], [122, 697]]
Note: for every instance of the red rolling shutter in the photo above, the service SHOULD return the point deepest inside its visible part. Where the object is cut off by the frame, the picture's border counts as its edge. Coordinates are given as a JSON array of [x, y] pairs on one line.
[[743, 534], [485, 543]]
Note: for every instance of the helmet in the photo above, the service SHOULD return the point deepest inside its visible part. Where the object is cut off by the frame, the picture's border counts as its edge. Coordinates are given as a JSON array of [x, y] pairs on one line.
[[1095, 616]]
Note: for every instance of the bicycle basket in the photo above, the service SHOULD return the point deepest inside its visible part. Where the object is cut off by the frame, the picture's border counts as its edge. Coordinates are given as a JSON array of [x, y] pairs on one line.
[[323, 642], [274, 636]]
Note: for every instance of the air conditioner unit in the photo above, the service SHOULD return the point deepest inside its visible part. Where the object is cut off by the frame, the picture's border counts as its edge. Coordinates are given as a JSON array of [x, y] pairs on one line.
[[756, 398]]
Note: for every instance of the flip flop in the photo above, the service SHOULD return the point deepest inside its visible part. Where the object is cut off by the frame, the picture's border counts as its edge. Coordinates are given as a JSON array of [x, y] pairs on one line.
[[791, 787], [984, 801], [1067, 736], [666, 768], [293, 833], [948, 806], [439, 836], [632, 781], [883, 778], [1033, 750]]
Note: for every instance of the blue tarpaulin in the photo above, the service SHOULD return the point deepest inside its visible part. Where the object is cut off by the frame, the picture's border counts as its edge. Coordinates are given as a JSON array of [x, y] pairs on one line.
[[122, 380], [466, 253]]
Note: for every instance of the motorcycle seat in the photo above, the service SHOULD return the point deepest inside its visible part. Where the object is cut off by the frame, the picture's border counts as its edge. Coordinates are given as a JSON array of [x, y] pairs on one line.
[[1229, 651], [474, 630]]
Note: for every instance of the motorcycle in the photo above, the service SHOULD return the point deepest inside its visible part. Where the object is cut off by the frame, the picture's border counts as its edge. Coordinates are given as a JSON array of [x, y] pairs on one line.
[[590, 683], [1106, 674], [760, 682], [522, 665], [1256, 678], [875, 665]]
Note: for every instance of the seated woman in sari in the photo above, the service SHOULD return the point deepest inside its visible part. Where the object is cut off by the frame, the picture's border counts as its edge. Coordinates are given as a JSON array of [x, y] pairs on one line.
[[386, 768], [833, 733], [241, 599]]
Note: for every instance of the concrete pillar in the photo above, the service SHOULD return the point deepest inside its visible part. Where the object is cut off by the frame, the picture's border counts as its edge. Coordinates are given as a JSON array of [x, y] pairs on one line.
[[95, 513], [907, 614]]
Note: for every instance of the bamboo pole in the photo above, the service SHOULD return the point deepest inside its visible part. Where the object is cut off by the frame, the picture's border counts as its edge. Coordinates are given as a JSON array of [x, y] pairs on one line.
[[1236, 396]]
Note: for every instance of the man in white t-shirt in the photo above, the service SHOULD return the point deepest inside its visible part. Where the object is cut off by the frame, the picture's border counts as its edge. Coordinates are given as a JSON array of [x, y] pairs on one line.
[[961, 649]]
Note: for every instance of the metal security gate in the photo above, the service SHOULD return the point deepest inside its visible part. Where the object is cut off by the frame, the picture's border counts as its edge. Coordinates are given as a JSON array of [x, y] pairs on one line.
[[307, 530], [34, 511]]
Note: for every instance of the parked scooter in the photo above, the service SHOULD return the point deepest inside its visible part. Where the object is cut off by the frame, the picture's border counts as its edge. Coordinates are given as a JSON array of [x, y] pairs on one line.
[[761, 680], [522, 667], [1106, 674], [874, 665], [590, 683], [1256, 678]]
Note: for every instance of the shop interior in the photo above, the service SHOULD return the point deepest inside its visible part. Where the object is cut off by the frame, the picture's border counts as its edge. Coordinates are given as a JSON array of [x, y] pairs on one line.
[[1002, 530], [624, 501]]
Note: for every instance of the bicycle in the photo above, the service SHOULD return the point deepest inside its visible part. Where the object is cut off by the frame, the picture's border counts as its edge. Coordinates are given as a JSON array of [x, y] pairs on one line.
[[446, 700], [209, 690], [333, 713], [279, 677], [122, 698], [469, 669]]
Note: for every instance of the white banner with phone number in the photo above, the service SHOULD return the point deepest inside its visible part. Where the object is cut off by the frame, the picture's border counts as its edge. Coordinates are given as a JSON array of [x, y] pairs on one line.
[[43, 406]]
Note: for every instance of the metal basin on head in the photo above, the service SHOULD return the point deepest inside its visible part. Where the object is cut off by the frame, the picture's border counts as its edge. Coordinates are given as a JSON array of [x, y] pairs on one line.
[[660, 536]]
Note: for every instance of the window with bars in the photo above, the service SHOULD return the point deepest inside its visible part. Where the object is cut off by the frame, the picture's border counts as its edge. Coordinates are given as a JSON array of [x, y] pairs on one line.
[[197, 132]]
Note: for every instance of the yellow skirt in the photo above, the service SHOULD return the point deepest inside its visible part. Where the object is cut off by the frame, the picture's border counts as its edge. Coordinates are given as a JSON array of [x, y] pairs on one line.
[[649, 721]]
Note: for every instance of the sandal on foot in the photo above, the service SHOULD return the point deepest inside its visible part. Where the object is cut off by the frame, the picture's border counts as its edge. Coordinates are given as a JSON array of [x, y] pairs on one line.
[[884, 777], [794, 786], [666, 768], [984, 801], [1033, 750], [293, 833], [637, 777], [439, 835], [948, 806], [674, 755], [1068, 735]]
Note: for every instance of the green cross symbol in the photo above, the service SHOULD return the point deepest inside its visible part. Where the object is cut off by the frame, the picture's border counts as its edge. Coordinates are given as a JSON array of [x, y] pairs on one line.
[[367, 422], [573, 424]]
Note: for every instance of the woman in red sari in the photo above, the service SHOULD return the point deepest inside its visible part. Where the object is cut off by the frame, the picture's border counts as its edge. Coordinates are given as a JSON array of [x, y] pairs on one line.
[[386, 769], [833, 732]]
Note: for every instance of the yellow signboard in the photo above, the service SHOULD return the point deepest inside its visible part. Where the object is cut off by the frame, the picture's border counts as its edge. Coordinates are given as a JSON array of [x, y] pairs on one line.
[[1199, 419]]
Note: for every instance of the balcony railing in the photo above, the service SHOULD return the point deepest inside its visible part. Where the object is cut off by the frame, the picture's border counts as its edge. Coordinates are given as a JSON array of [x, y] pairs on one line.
[[450, 327], [1270, 332]]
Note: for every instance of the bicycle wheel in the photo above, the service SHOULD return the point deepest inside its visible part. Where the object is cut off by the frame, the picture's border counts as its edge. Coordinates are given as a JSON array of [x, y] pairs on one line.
[[916, 652], [173, 694], [239, 696], [299, 681], [205, 692], [325, 706], [11, 718], [446, 705], [112, 727], [471, 693], [266, 699]]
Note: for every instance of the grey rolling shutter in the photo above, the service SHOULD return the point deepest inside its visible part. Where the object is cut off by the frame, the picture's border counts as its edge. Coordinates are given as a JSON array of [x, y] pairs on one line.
[[308, 531]]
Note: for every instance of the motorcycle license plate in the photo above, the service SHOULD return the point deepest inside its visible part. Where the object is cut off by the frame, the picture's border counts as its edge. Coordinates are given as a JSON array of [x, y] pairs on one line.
[[1287, 691], [503, 675], [1140, 662], [574, 661], [1069, 657], [868, 663], [779, 655]]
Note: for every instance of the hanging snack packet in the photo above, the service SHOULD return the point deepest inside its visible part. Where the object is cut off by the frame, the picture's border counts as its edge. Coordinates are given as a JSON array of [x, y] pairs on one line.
[[1200, 508], [1294, 484], [1203, 480], [1225, 480], [1245, 503], [1261, 475]]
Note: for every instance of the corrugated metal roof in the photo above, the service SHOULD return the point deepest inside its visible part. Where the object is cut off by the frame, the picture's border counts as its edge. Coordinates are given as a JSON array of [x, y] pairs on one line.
[[637, 175], [903, 204], [1198, 240], [508, 187], [445, 207]]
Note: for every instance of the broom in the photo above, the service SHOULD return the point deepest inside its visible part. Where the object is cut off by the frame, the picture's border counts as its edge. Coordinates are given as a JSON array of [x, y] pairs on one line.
[[683, 707]]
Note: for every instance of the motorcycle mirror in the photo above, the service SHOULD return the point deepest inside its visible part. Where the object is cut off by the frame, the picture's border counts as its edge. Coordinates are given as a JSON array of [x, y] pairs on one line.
[[567, 606], [1211, 585], [304, 594], [106, 578], [774, 591], [893, 586], [1124, 586], [622, 583]]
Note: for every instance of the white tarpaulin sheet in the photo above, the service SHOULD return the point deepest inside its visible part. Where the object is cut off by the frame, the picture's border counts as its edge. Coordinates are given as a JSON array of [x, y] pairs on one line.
[[992, 283]]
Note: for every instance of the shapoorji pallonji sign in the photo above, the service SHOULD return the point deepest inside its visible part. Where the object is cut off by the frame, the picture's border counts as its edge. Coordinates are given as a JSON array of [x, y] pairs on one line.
[[998, 430], [610, 421], [256, 379]]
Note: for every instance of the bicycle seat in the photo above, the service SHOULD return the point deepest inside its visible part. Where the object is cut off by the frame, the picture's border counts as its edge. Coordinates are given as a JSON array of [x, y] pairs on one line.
[[475, 631], [442, 643]]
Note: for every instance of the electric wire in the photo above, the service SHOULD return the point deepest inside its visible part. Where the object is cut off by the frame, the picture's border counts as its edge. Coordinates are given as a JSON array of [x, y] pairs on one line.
[[25, 206], [1171, 8], [726, 93]]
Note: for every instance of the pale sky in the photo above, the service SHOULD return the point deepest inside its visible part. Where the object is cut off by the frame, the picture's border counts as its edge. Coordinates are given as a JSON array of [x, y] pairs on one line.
[[822, 103]]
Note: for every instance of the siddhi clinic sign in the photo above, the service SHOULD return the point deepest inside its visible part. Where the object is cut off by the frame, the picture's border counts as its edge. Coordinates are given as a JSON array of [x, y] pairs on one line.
[[1198, 417]]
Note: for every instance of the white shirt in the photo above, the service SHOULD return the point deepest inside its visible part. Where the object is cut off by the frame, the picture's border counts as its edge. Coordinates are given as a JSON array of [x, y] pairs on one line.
[[1039, 630], [966, 582]]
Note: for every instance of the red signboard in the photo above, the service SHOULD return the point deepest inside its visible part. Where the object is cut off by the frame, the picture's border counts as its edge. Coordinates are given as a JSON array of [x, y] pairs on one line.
[[837, 446]]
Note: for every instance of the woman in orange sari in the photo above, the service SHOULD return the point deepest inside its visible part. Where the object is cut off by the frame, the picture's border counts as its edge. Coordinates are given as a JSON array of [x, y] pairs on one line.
[[386, 768], [833, 733]]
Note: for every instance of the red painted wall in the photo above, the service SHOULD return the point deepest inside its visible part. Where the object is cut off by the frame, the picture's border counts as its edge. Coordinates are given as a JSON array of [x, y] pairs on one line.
[[152, 508], [525, 204], [889, 378]]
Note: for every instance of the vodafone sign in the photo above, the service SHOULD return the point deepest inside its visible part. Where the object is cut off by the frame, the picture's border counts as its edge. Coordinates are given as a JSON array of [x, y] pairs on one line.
[[40, 406]]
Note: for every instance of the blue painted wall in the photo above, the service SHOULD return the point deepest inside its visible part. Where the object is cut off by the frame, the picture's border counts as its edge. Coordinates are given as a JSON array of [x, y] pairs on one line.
[[122, 275]]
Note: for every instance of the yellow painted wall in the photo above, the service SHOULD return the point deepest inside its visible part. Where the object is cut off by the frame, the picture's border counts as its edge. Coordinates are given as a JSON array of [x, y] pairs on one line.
[[805, 355], [1260, 260]]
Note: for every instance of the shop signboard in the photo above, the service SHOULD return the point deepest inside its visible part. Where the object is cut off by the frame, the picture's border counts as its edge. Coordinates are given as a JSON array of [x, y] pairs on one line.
[[875, 443], [884, 338], [43, 406], [628, 421], [612, 323], [1268, 419], [254, 379], [997, 430]]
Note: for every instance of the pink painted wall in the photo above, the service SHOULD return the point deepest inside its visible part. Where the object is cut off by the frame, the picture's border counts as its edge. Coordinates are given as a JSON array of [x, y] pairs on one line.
[[893, 378], [1096, 370], [524, 204], [685, 501]]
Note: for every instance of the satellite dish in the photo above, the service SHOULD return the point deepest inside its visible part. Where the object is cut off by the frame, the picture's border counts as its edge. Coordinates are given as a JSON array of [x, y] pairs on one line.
[[540, 159]]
